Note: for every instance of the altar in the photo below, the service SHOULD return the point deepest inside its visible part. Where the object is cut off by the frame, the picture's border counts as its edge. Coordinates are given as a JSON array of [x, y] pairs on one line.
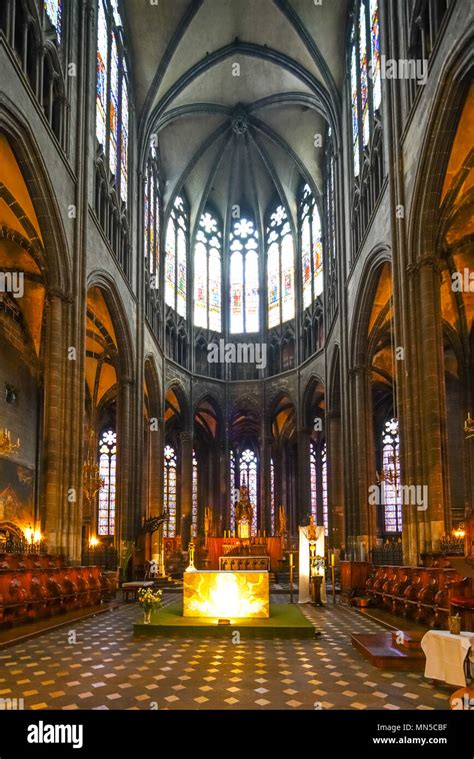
[[226, 595]]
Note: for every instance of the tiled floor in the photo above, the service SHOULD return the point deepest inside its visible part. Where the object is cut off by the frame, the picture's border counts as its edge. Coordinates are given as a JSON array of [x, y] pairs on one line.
[[99, 665]]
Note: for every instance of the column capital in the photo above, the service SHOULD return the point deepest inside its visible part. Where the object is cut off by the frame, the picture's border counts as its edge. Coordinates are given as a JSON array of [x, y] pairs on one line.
[[186, 437], [54, 293]]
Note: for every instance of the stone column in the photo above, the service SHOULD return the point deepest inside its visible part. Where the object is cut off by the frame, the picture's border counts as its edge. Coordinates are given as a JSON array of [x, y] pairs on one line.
[[55, 505], [335, 479], [186, 452], [303, 470], [155, 481], [364, 455], [432, 403], [125, 522], [264, 522]]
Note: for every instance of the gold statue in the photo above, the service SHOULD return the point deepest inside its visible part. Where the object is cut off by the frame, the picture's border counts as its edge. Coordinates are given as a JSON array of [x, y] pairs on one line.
[[243, 514], [312, 534]]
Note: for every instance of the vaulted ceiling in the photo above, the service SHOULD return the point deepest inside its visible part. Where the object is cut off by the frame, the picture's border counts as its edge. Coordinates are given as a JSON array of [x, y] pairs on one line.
[[237, 91]]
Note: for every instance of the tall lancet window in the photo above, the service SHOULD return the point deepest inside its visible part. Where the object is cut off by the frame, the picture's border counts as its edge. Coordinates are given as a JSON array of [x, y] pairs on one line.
[[244, 277], [112, 106], [280, 269], [249, 477], [324, 483], [151, 218], [176, 258], [313, 478], [311, 246], [195, 496], [391, 476], [107, 470], [170, 491], [207, 274], [366, 93], [232, 490], [54, 11]]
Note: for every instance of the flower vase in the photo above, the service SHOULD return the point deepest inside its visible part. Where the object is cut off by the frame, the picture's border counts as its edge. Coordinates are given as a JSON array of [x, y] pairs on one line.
[[147, 616]]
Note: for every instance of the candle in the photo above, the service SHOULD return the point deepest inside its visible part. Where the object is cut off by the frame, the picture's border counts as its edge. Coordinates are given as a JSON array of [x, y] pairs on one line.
[[332, 559], [291, 559]]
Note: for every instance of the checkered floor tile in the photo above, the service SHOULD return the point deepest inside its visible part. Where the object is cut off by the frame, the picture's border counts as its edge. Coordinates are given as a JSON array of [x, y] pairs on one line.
[[99, 665]]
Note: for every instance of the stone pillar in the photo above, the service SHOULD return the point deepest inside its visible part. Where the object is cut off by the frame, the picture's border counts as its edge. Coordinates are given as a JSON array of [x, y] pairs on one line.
[[125, 522], [225, 487], [264, 522], [432, 404], [335, 479], [155, 481], [364, 456], [55, 505], [303, 472], [186, 453]]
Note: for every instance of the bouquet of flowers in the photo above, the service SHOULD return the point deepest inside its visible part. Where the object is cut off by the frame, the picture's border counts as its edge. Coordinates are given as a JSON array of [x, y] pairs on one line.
[[149, 599]]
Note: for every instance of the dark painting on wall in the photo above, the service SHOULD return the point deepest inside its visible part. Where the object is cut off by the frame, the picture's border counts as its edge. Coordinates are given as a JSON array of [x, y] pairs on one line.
[[16, 493]]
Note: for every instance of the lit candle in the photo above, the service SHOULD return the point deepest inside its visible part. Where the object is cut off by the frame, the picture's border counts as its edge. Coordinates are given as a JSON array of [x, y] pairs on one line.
[[332, 559]]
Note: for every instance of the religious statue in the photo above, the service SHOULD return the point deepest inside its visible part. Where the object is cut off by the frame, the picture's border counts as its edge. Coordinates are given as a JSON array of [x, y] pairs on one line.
[[243, 513], [312, 534]]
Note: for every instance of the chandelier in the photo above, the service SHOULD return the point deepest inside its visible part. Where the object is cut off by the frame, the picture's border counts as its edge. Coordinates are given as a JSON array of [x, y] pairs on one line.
[[6, 445], [92, 482]]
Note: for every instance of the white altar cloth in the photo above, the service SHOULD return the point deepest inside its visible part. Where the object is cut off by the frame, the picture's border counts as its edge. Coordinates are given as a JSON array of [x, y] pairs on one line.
[[445, 655]]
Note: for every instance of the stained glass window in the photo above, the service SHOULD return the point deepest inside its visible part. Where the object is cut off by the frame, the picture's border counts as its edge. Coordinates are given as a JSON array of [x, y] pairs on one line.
[[207, 274], [101, 76], [244, 277], [375, 53], [169, 492], [324, 484], [54, 9], [311, 247], [391, 476], [232, 490], [318, 476], [313, 482], [152, 217], [364, 79], [272, 497], [280, 269], [124, 142], [113, 105], [107, 471], [176, 258], [248, 476], [112, 98], [366, 93], [195, 495]]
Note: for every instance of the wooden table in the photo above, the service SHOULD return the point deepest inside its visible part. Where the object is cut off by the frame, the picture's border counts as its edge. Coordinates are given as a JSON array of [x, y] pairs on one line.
[[447, 654]]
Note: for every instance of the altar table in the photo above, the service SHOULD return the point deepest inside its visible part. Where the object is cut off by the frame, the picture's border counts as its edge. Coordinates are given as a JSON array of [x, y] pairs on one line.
[[446, 655]]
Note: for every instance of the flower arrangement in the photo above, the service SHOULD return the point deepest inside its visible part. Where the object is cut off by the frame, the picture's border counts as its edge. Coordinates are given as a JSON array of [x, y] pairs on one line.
[[149, 600]]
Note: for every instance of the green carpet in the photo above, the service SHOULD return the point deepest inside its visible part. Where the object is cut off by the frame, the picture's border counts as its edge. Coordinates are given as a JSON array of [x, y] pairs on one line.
[[285, 621]]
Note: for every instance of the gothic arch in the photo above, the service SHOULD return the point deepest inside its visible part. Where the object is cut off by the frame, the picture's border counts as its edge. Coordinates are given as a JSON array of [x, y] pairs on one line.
[[57, 258], [358, 339]]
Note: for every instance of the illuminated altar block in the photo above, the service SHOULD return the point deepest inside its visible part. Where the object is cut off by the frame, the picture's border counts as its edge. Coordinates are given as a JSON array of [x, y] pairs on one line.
[[226, 595]]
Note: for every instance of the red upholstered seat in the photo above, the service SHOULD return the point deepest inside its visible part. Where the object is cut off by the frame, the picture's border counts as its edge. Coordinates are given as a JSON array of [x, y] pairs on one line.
[[464, 602]]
